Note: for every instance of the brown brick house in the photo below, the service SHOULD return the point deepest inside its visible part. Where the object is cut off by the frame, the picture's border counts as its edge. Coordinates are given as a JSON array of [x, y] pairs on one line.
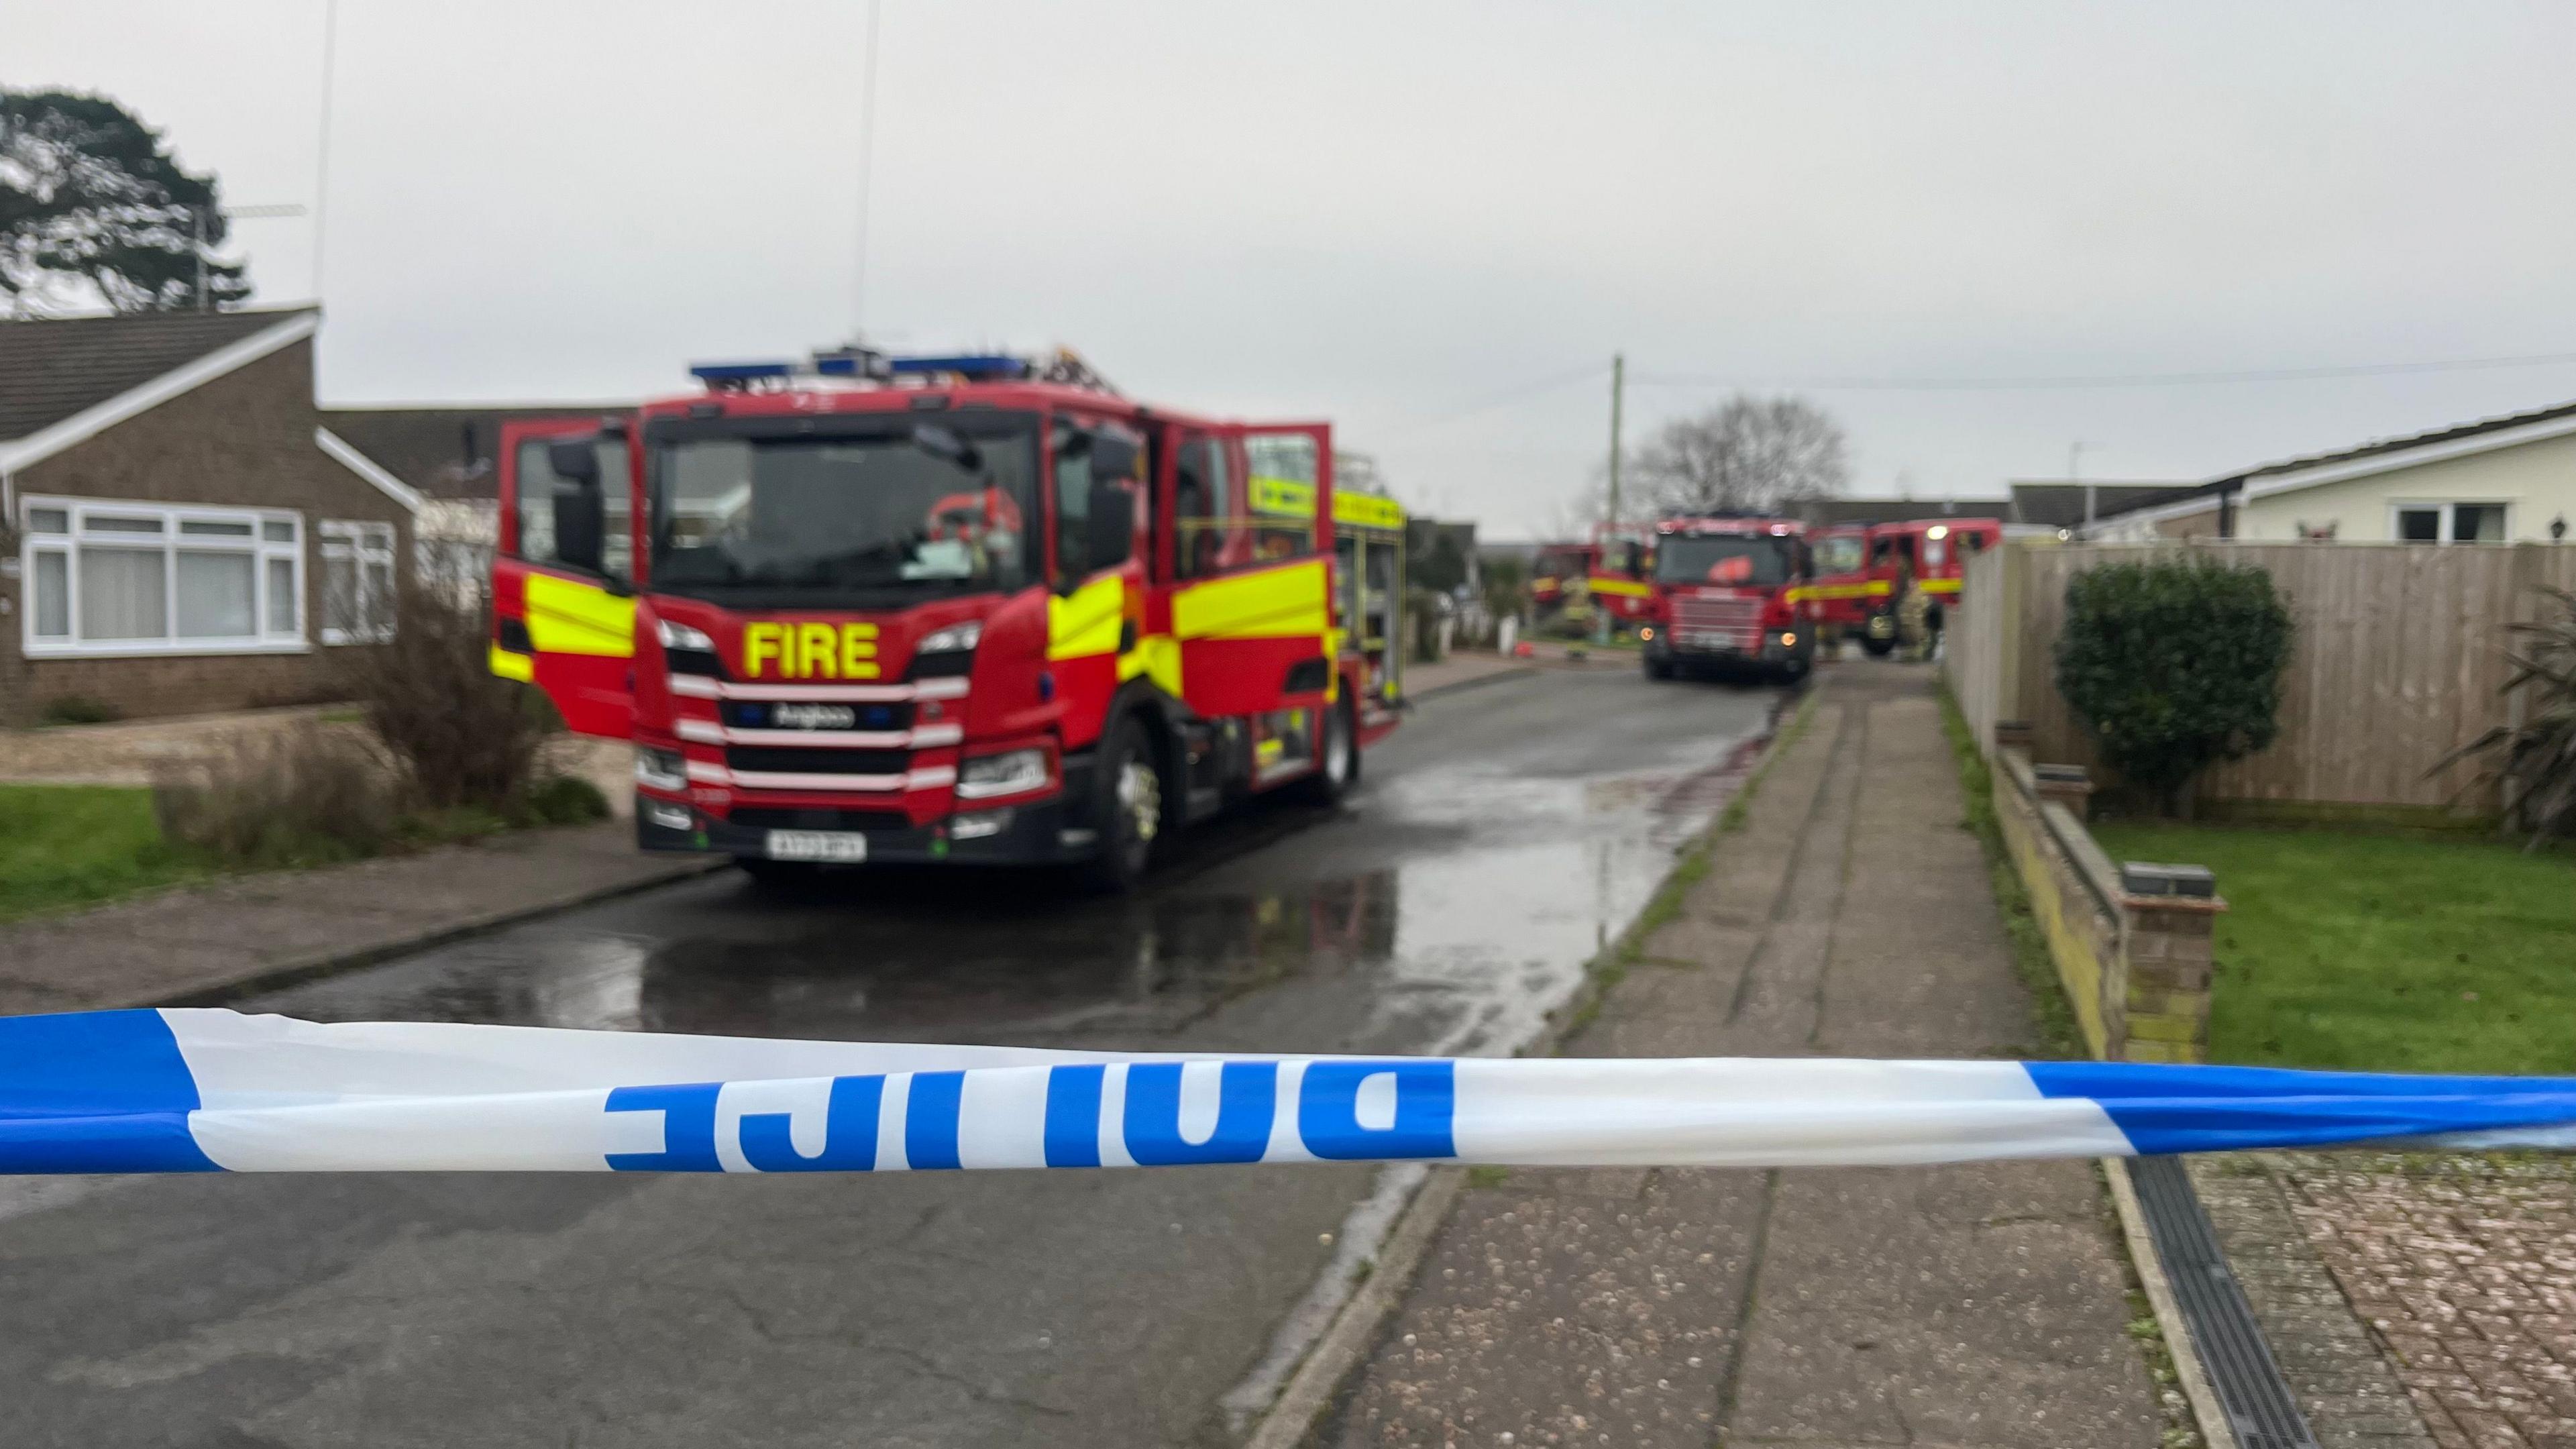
[[180, 530]]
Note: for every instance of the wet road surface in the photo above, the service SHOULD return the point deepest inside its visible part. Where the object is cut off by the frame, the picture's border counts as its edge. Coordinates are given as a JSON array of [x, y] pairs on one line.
[[1498, 840]]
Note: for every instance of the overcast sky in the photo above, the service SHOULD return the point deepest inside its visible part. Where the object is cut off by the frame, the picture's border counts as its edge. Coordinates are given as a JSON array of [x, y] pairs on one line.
[[1393, 214]]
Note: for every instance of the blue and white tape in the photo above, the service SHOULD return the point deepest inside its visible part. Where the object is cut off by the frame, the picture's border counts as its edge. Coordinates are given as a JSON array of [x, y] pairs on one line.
[[205, 1091]]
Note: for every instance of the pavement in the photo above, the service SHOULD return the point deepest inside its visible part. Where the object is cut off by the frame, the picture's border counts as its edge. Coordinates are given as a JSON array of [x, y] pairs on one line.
[[1971, 1307], [207, 942], [1496, 841]]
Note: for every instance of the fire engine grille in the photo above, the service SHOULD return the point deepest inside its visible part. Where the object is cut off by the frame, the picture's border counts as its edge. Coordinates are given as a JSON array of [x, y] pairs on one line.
[[770, 819], [760, 714], [1717, 623], [788, 761]]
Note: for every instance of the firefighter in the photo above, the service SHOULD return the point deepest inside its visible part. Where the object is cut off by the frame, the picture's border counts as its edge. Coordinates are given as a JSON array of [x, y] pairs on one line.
[[1913, 615]]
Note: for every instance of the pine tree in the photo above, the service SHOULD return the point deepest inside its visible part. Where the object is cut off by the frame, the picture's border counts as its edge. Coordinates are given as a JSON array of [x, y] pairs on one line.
[[93, 208]]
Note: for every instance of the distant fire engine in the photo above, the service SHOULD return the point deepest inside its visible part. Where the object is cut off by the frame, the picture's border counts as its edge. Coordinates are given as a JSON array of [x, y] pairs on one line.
[[1730, 592]]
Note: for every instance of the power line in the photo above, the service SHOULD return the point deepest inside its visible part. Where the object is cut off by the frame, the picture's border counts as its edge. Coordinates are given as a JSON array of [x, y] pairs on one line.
[[2135, 379], [1490, 401]]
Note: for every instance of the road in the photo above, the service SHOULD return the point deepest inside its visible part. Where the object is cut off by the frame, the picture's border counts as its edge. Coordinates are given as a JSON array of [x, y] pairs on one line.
[[1499, 839]]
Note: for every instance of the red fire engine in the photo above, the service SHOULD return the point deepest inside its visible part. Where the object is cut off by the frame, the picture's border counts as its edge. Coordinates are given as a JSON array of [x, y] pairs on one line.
[[1730, 592], [970, 609], [1622, 572], [1557, 567]]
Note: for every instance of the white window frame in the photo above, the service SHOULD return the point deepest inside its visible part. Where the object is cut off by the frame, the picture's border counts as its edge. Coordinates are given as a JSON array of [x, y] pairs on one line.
[[2446, 515], [361, 543], [171, 542]]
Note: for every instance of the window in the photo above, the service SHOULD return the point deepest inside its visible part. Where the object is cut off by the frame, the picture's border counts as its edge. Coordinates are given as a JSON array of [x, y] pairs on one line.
[[538, 483], [357, 583], [139, 578], [1198, 490], [1072, 508], [2448, 522]]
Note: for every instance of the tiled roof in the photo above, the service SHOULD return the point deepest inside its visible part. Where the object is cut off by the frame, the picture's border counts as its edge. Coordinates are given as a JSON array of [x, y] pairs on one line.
[[2061, 505], [53, 368], [445, 452], [1832, 511]]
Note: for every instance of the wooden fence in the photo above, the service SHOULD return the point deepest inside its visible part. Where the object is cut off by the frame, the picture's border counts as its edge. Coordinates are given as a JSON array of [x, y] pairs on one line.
[[2398, 659]]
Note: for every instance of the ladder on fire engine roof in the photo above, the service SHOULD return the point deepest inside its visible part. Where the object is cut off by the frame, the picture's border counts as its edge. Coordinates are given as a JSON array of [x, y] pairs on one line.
[[1063, 367]]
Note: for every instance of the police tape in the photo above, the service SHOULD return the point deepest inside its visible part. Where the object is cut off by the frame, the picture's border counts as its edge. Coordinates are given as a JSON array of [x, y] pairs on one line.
[[211, 1090]]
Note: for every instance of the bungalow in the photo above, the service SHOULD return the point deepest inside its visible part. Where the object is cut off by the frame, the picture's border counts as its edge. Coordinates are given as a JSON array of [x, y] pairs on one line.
[[180, 530], [2508, 479]]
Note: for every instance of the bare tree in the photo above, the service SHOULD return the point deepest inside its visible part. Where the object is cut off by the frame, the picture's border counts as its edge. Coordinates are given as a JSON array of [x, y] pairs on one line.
[[1571, 516], [1754, 454]]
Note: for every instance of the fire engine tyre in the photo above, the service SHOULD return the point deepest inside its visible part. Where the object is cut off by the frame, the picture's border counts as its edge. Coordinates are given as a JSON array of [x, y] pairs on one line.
[[1877, 648], [1126, 808], [1658, 668], [1339, 769]]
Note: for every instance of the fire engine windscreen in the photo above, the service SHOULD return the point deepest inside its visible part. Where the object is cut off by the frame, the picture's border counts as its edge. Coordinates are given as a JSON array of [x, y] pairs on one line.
[[1757, 561], [755, 513]]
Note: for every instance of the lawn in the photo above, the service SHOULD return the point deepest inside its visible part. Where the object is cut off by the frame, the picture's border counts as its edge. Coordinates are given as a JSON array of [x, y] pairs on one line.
[[2382, 953], [72, 845]]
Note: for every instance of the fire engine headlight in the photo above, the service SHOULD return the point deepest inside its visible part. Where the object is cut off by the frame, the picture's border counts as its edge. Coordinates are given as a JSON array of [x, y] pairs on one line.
[[1788, 640], [661, 770], [1646, 631], [1012, 772], [681, 636], [955, 639], [669, 816]]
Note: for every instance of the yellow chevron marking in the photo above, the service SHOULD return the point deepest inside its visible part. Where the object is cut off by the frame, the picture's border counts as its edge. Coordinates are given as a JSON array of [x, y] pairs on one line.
[[565, 617], [1086, 622], [1272, 603]]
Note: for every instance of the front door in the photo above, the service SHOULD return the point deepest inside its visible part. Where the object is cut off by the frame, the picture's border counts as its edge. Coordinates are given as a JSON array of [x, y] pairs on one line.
[[1253, 612], [568, 630]]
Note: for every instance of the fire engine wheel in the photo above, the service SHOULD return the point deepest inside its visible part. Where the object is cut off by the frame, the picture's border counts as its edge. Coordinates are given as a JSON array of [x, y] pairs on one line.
[[1127, 808], [1658, 668], [1877, 648], [1339, 767]]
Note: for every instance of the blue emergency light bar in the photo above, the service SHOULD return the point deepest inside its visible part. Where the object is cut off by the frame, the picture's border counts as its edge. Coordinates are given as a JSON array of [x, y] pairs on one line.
[[980, 367], [861, 363]]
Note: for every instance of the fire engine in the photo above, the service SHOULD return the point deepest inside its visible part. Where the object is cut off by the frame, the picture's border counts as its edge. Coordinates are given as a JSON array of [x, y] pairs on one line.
[[1730, 591], [971, 609], [1621, 577], [1553, 573], [1845, 591], [1934, 552]]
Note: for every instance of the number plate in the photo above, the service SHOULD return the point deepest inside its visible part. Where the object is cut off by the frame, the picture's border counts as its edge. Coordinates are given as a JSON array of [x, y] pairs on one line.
[[835, 845], [812, 716]]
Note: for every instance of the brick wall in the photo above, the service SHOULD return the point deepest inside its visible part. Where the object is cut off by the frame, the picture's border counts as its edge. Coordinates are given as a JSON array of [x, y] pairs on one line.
[[243, 439], [2131, 942]]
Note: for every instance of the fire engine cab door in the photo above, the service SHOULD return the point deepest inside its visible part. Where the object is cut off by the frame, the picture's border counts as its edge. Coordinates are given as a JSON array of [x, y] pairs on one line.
[[569, 630], [1256, 632]]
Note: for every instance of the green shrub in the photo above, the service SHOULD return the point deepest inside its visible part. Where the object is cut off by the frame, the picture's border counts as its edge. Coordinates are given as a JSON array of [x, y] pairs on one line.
[[2174, 666], [565, 800], [2535, 759], [78, 709], [302, 796]]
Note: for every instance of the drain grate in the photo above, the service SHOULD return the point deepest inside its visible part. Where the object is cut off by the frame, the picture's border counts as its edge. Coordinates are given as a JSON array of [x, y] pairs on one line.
[[2224, 1332]]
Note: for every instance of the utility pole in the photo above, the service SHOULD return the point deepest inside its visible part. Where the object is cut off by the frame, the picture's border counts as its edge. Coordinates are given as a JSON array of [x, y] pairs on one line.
[[1618, 388], [867, 175], [238, 213], [2074, 465]]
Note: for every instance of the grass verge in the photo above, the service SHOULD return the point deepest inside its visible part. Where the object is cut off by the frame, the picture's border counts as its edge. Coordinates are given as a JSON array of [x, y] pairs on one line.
[[2374, 952], [2052, 1016], [63, 846]]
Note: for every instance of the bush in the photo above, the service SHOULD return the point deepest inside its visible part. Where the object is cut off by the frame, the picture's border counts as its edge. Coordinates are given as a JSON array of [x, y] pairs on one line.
[[78, 709], [2174, 667], [564, 800], [463, 736], [2535, 760], [297, 797]]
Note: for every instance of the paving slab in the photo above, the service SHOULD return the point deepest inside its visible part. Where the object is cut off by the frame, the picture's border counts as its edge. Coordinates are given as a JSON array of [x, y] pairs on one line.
[[1977, 1306]]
